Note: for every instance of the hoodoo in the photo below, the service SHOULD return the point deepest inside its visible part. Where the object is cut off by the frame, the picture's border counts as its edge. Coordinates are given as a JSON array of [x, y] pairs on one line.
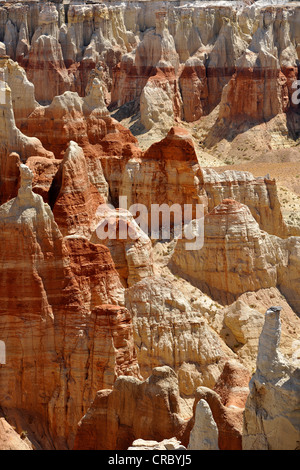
[[149, 227]]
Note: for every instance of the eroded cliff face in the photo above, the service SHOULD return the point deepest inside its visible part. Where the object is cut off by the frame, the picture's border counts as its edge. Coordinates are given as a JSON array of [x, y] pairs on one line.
[[112, 340], [71, 336], [212, 44], [213, 267], [271, 418], [118, 416]]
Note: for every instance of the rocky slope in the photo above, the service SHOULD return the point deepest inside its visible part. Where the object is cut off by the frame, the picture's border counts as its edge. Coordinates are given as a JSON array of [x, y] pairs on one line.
[[10, 439], [136, 340]]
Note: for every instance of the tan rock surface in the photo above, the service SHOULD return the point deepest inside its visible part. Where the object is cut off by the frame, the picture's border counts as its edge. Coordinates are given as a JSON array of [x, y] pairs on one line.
[[15, 146], [78, 199], [130, 247], [204, 435], [118, 417], [271, 419], [225, 271], [10, 439], [198, 87], [169, 330], [166, 444], [194, 91], [45, 62]]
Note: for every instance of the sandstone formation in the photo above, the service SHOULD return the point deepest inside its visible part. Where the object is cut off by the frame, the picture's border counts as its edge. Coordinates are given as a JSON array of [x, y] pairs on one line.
[[117, 417], [78, 199], [240, 324], [130, 247], [194, 89], [244, 324], [22, 90], [68, 117], [12, 139], [204, 435], [229, 420], [44, 62], [166, 444], [263, 65], [214, 267], [218, 423], [258, 193], [169, 330], [153, 177], [72, 335], [125, 130], [86, 122], [232, 384], [155, 62], [221, 48], [271, 419], [71, 118], [17, 103], [46, 177]]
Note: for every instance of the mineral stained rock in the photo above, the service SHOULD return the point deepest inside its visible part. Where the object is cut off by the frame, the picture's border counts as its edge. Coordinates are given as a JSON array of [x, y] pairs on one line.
[[71, 334], [78, 199], [140, 342], [228, 420], [130, 247]]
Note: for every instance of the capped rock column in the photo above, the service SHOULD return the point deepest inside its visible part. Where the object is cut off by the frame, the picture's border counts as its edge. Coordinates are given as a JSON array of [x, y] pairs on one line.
[[272, 417]]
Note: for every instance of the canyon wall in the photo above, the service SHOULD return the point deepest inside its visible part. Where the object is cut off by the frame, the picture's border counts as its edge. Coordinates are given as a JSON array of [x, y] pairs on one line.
[[271, 418], [113, 340], [183, 59], [62, 319]]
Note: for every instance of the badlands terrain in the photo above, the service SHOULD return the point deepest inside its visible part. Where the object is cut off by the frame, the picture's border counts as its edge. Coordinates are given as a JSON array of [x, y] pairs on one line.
[[138, 342]]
